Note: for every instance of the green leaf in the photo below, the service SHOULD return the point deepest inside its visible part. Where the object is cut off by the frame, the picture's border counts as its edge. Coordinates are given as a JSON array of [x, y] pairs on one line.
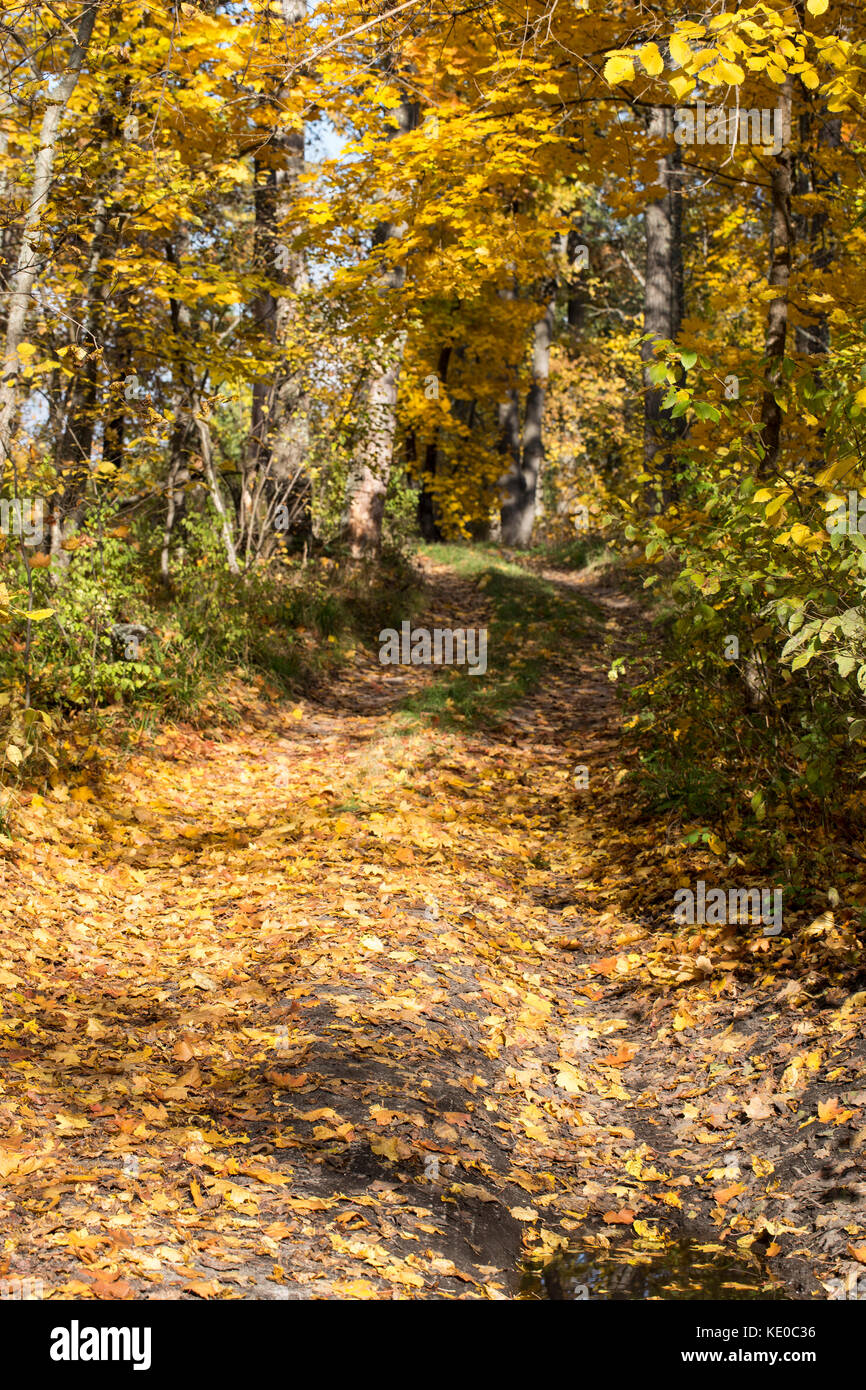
[[852, 623]]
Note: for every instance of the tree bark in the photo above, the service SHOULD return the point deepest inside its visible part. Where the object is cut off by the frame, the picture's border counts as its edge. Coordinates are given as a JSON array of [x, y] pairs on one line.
[[663, 294], [812, 229], [24, 278], [519, 509], [781, 248], [76, 441], [367, 483], [275, 458], [427, 521], [216, 496]]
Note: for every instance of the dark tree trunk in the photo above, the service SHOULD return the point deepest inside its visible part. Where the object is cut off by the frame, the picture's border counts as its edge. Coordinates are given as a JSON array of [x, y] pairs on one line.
[[509, 446], [781, 248], [818, 132]]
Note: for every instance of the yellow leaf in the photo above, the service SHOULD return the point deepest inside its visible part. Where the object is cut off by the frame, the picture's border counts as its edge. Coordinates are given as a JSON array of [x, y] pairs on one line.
[[619, 68], [569, 1079], [682, 85], [652, 59], [817, 6], [731, 72], [777, 504], [392, 1149], [647, 1230], [680, 51]]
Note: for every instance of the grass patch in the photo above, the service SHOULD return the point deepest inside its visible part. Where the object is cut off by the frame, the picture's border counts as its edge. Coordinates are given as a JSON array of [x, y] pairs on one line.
[[530, 622]]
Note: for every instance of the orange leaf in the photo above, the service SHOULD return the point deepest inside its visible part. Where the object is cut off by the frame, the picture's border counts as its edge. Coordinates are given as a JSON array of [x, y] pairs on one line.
[[620, 1058], [606, 966], [111, 1288], [204, 1288], [283, 1082], [724, 1194]]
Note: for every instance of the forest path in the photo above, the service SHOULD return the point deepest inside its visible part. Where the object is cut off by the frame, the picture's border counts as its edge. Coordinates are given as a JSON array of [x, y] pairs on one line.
[[345, 1003]]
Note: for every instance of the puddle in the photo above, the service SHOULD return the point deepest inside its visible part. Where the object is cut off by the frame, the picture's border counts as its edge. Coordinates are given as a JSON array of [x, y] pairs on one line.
[[646, 1270]]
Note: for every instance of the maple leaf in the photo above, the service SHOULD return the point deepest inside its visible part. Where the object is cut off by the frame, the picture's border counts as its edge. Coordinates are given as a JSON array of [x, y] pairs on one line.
[[757, 1108]]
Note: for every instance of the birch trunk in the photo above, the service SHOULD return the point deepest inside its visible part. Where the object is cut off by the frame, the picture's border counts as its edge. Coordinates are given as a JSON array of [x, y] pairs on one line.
[[663, 296], [24, 277]]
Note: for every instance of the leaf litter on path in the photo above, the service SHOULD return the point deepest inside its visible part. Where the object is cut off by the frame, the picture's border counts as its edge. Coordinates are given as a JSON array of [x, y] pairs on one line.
[[333, 1006]]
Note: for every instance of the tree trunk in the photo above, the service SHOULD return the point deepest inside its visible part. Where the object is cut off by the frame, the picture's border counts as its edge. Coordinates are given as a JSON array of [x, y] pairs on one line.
[[812, 229], [275, 462], [178, 474], [216, 496], [367, 483], [815, 232], [76, 441], [781, 247], [191, 415], [427, 522], [24, 278], [663, 295], [518, 511]]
